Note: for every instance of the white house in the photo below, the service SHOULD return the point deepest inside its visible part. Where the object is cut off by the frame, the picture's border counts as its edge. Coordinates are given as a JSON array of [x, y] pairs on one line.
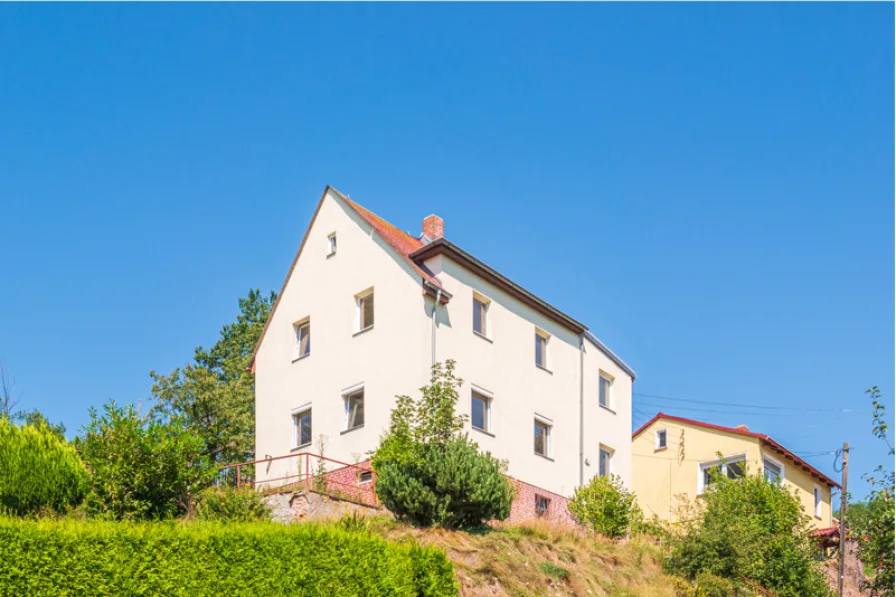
[[365, 311]]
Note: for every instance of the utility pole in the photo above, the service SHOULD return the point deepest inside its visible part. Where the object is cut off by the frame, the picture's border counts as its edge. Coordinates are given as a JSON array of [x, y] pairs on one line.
[[843, 517]]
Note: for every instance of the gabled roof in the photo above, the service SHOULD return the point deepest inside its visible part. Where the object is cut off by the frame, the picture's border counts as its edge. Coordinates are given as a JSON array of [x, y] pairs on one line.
[[766, 440]]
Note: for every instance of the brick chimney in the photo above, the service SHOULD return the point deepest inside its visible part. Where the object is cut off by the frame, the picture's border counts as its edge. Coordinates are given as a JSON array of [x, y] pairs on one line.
[[434, 227]]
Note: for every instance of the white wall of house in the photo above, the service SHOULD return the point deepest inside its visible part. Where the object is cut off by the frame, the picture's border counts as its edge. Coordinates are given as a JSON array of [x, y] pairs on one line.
[[391, 358], [394, 357]]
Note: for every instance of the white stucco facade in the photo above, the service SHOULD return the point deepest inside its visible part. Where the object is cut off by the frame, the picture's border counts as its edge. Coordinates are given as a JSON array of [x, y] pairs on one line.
[[394, 357]]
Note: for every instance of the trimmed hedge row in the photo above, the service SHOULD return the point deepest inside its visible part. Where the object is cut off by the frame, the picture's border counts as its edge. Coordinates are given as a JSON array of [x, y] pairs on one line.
[[208, 559]]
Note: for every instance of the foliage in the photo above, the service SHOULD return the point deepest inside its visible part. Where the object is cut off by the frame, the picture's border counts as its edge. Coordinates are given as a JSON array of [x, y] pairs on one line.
[[141, 468], [229, 504], [215, 394], [876, 522], [105, 559], [353, 522], [553, 570], [37, 419], [749, 528], [705, 585], [38, 470], [428, 471], [605, 505]]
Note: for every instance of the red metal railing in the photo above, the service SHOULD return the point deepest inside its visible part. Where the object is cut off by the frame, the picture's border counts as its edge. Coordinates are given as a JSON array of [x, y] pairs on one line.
[[356, 482]]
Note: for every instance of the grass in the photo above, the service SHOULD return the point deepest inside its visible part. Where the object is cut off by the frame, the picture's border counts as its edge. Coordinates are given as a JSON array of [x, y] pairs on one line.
[[540, 558]]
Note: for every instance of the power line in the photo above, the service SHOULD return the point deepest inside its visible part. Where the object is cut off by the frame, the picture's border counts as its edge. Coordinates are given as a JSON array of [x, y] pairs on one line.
[[727, 412], [758, 406]]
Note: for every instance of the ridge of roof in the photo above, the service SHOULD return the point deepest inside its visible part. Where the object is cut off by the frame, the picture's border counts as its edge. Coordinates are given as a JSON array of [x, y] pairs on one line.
[[760, 436]]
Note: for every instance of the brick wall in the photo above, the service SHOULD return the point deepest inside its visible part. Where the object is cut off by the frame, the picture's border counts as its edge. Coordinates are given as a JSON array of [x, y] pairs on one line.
[[533, 503]]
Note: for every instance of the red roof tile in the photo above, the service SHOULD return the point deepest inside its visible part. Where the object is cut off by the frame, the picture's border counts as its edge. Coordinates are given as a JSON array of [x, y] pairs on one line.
[[745, 432]]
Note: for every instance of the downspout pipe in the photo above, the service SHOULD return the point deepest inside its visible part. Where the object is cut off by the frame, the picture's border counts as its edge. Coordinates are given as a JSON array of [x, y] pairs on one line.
[[581, 410], [435, 306]]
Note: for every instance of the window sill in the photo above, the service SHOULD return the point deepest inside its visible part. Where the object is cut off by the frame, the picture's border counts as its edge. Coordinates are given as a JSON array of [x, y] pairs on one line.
[[304, 356], [817, 517], [361, 426], [607, 408], [484, 337], [543, 456], [663, 449], [545, 369], [297, 448], [482, 431], [331, 254], [367, 329]]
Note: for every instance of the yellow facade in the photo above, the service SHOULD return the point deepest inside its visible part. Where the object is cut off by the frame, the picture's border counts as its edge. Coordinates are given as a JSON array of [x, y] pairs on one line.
[[664, 478]]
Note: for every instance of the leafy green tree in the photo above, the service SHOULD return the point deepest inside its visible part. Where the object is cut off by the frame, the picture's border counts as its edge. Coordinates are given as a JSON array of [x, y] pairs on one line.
[[749, 528], [428, 471], [37, 419], [604, 505], [215, 394], [875, 522], [39, 470], [230, 504], [140, 467]]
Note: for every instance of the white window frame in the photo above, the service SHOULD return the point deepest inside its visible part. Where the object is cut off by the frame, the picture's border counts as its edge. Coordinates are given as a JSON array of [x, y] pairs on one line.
[[296, 415], [486, 320], [297, 328], [362, 481], [346, 394], [331, 244], [818, 498], [656, 439], [540, 333], [548, 424], [487, 397], [724, 461], [359, 313], [610, 452], [604, 376], [774, 461]]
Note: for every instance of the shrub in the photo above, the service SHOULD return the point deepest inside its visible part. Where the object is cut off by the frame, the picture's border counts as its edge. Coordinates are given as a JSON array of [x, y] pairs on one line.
[[117, 559], [141, 468], [554, 570], [749, 528], [605, 505], [428, 472], [229, 504], [39, 470], [451, 485]]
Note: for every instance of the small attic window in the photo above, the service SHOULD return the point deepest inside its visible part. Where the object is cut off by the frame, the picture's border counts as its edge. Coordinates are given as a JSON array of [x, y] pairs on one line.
[[331, 244]]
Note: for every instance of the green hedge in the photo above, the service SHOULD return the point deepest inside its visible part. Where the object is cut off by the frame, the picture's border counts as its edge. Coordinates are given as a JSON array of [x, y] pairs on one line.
[[208, 559]]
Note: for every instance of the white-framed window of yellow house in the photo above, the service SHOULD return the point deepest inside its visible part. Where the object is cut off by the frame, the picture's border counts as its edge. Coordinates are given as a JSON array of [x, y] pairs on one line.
[[733, 466], [605, 461], [661, 439], [542, 437], [818, 498], [301, 426], [542, 339], [772, 469], [364, 310], [353, 398], [481, 409], [302, 330], [481, 323], [605, 390]]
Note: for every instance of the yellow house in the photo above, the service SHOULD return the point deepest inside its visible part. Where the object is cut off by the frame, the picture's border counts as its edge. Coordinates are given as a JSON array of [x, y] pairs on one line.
[[672, 458]]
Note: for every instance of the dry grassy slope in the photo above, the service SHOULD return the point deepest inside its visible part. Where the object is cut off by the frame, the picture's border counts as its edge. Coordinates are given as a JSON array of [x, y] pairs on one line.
[[543, 559]]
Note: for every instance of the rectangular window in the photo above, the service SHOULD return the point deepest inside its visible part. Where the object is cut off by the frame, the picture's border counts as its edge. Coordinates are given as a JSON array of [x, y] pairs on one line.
[[660, 441], [542, 506], [365, 311], [303, 339], [733, 467], [771, 470], [817, 501], [541, 349], [606, 385], [480, 316], [301, 428], [331, 244], [606, 459], [480, 412], [354, 409], [365, 477], [542, 438]]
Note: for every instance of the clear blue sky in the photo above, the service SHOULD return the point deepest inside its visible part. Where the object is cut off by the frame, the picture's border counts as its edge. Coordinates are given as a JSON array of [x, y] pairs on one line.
[[708, 187]]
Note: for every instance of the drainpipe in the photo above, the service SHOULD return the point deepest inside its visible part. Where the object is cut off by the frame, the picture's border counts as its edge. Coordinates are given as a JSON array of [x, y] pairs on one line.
[[434, 307], [581, 409]]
